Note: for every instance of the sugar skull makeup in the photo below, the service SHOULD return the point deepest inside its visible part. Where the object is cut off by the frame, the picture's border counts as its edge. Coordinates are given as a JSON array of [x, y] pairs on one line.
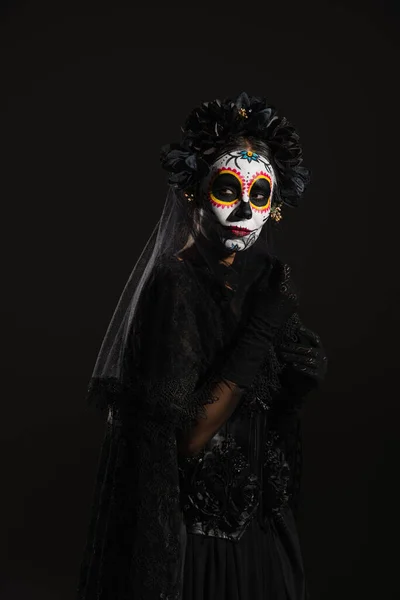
[[238, 190]]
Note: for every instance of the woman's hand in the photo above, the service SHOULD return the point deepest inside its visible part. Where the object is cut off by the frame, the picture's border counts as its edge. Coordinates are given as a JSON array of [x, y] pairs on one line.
[[306, 360]]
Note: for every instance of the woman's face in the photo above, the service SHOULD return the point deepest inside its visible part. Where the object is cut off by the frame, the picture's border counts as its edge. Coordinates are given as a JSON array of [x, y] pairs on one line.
[[238, 191]]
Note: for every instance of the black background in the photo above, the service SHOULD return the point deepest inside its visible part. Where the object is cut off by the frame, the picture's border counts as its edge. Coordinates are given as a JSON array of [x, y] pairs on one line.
[[87, 100]]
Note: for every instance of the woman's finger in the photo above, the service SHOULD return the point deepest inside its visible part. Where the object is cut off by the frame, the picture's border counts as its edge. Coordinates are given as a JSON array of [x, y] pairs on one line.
[[300, 359], [306, 370], [313, 337], [299, 349]]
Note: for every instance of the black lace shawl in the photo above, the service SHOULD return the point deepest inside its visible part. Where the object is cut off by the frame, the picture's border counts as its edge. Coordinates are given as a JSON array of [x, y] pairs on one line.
[[184, 328]]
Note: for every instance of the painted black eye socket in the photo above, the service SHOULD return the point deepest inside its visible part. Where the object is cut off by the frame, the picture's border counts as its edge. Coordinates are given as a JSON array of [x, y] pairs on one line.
[[226, 191], [226, 187], [260, 192]]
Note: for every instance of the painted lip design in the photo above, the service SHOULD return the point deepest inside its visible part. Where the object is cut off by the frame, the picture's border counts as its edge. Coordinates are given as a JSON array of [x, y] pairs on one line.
[[239, 231]]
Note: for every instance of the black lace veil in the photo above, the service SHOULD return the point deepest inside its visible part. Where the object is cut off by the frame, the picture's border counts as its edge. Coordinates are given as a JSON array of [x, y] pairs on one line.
[[208, 131], [168, 237]]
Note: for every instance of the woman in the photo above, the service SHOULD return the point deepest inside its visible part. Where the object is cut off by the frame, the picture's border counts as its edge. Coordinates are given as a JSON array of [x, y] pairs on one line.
[[203, 371]]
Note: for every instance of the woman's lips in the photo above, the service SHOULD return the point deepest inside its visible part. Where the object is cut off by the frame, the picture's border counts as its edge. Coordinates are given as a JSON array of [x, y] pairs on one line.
[[239, 231]]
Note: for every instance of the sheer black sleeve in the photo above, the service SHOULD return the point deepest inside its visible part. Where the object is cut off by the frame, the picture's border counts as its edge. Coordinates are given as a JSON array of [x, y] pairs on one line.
[[172, 350], [137, 536]]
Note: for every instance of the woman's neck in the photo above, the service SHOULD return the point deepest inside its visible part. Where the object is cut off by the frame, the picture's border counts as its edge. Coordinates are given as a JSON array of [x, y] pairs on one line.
[[228, 260], [220, 253]]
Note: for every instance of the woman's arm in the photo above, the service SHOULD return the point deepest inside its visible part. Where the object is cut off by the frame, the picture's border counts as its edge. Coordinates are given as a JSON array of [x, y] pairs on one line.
[[225, 396], [172, 354], [169, 357], [272, 299]]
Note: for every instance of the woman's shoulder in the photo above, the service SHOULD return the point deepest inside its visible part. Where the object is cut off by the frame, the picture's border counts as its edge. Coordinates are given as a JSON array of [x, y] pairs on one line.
[[172, 277], [170, 269]]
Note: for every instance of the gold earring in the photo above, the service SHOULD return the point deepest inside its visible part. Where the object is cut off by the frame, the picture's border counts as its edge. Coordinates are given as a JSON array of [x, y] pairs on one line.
[[276, 213], [189, 197]]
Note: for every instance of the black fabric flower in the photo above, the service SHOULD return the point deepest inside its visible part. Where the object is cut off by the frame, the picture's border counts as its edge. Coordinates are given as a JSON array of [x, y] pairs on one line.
[[210, 126], [184, 165]]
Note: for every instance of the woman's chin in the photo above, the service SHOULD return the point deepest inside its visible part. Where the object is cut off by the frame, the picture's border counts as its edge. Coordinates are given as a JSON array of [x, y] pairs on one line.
[[234, 244], [237, 244]]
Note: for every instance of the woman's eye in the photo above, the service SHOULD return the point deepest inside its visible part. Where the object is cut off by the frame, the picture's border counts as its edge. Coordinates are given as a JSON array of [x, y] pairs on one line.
[[258, 197], [226, 191]]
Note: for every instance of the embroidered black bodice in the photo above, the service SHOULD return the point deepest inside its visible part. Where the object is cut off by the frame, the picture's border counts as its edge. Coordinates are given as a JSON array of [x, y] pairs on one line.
[[245, 471]]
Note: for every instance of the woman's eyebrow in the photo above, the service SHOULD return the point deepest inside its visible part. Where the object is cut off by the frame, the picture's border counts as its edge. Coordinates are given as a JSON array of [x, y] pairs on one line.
[[227, 178], [261, 183]]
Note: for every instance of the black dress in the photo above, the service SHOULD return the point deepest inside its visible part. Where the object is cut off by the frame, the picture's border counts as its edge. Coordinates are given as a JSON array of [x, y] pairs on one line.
[[236, 497], [219, 525], [265, 564]]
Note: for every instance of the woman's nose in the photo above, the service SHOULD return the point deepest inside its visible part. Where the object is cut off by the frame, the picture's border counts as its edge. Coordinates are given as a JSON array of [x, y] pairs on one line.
[[241, 212]]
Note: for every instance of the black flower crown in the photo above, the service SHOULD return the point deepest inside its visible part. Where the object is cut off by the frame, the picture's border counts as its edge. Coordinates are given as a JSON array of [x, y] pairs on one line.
[[212, 125]]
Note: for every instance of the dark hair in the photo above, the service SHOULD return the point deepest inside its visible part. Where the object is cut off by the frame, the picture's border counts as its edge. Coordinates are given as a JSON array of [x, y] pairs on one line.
[[247, 141], [213, 127]]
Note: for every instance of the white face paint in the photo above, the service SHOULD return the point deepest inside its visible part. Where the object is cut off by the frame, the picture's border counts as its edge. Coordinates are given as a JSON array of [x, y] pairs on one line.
[[239, 189]]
